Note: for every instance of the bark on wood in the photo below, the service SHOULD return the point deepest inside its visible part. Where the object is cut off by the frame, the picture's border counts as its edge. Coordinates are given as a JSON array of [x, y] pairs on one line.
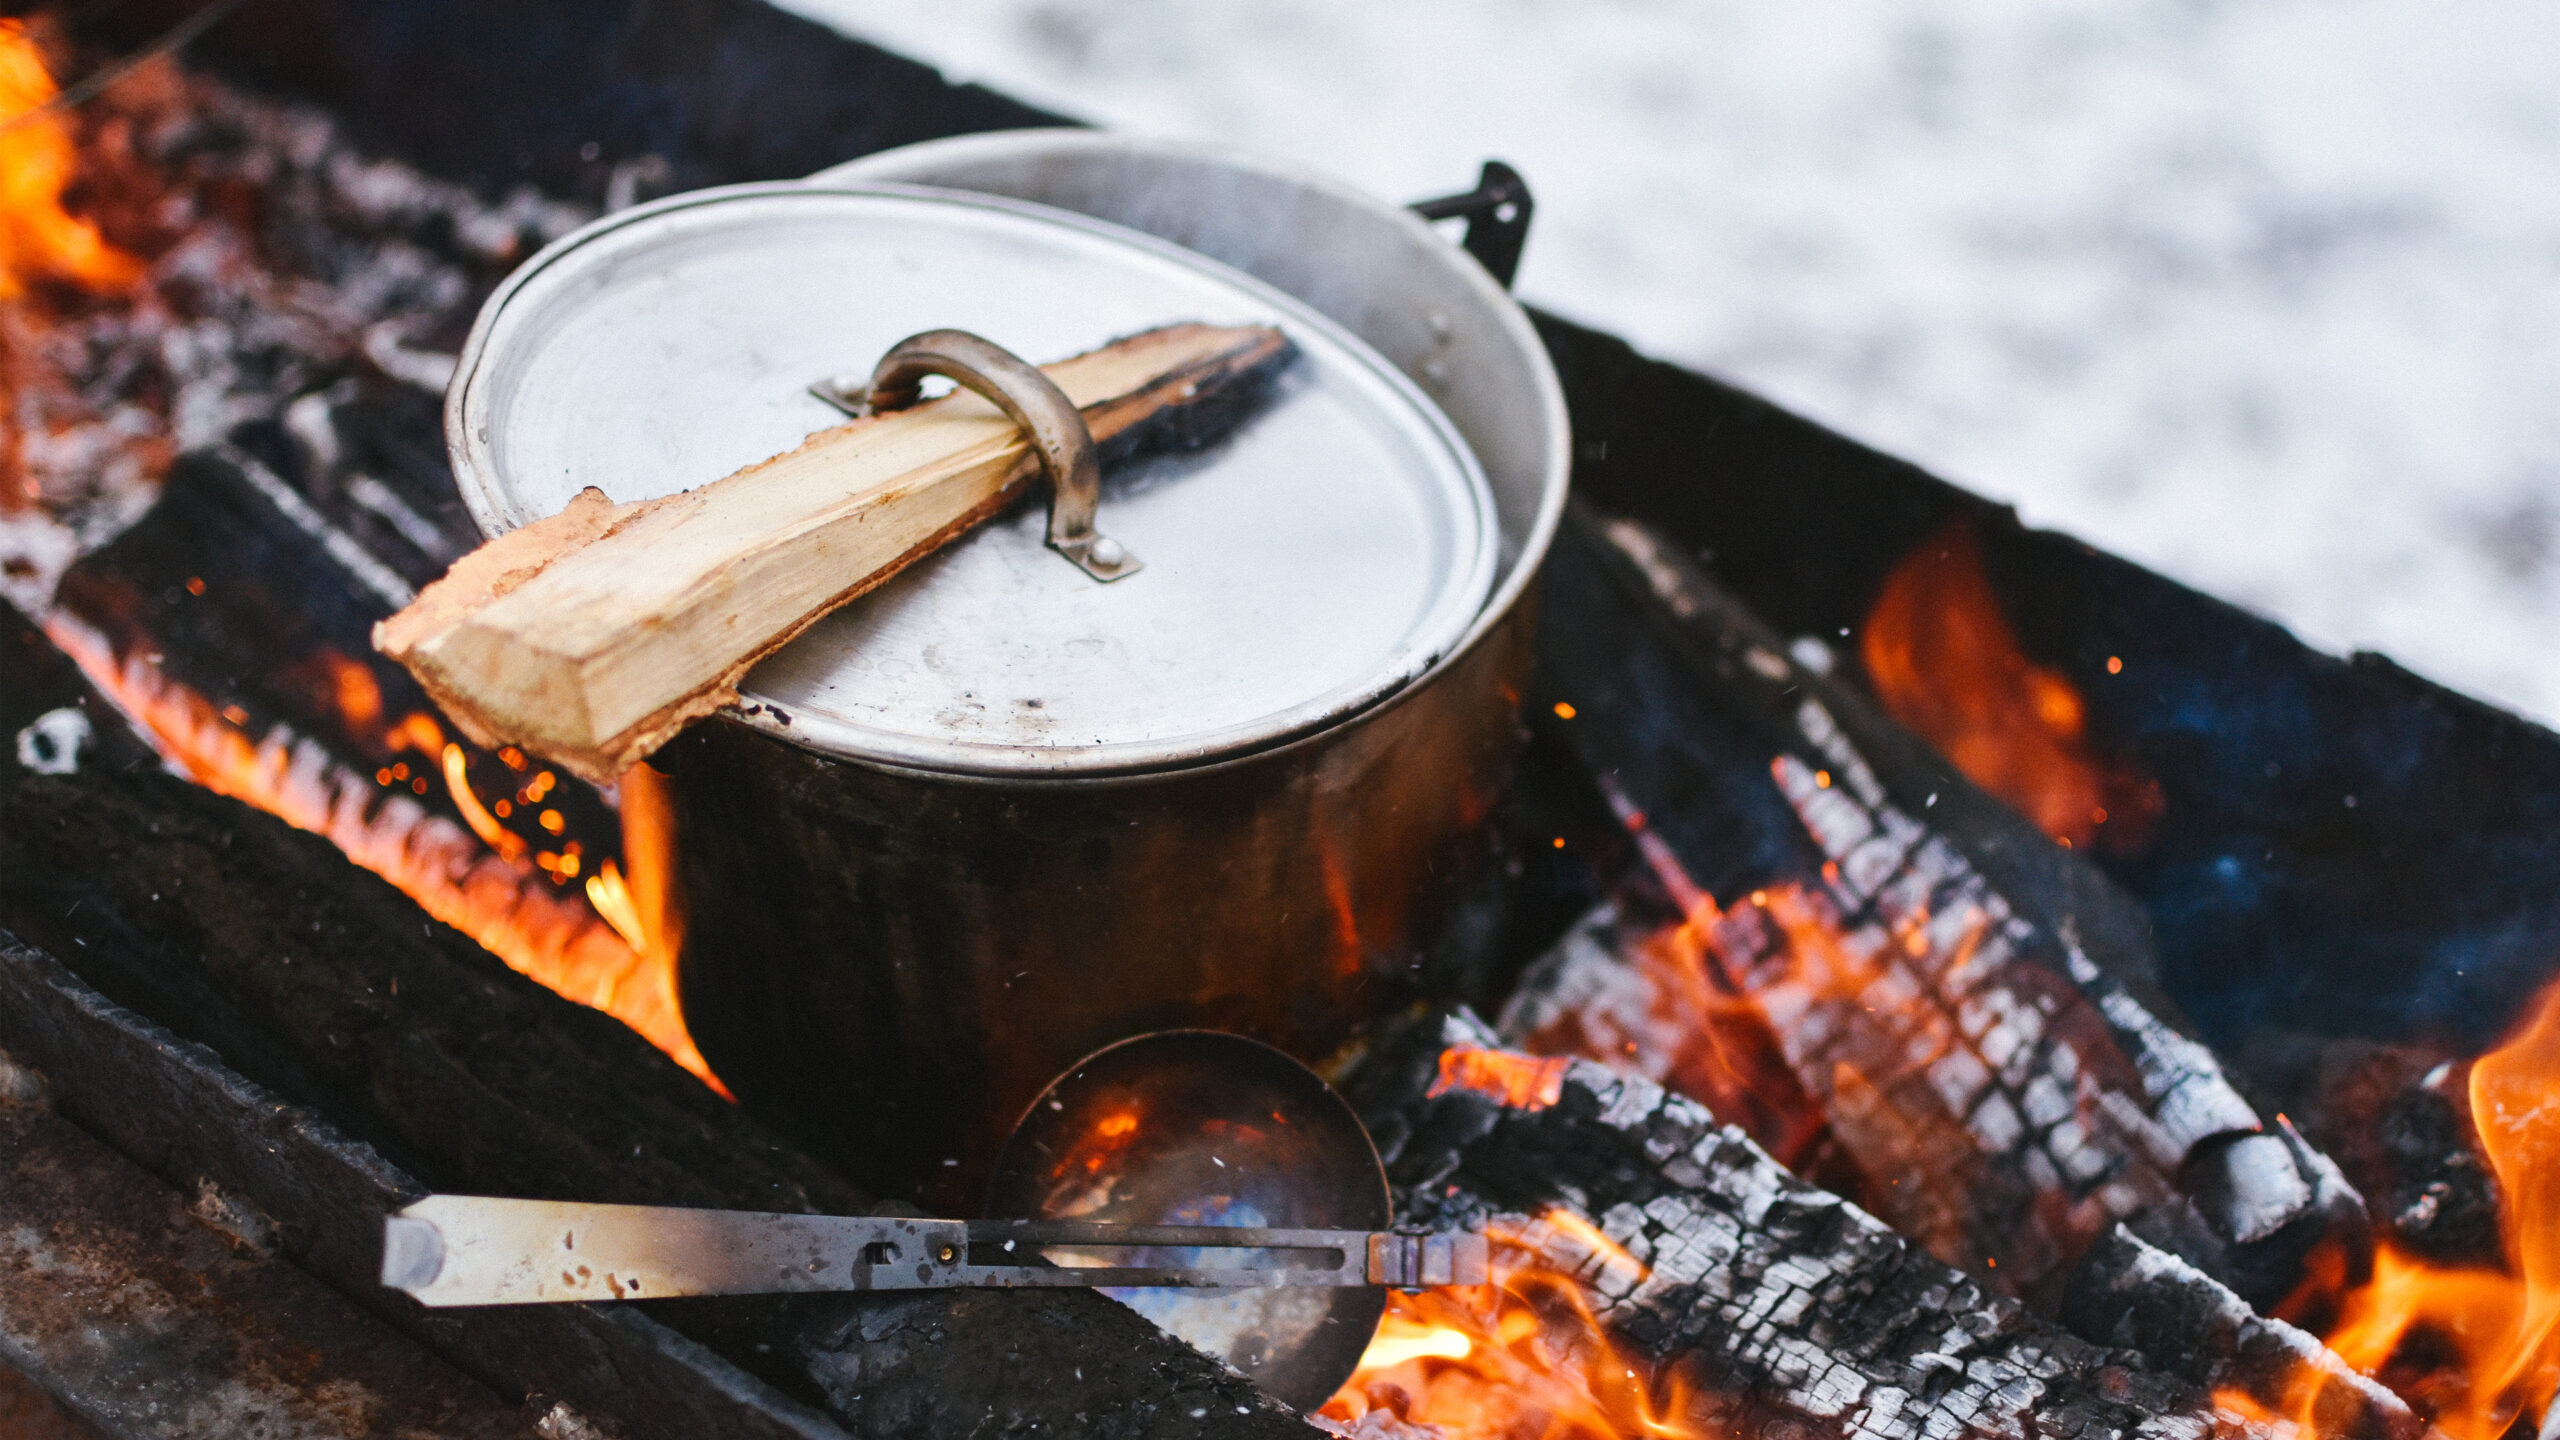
[[1791, 1311], [330, 991], [594, 635], [1954, 1030]]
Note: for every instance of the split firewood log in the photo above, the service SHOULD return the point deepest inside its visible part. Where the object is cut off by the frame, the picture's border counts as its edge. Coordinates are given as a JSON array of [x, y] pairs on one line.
[[593, 636]]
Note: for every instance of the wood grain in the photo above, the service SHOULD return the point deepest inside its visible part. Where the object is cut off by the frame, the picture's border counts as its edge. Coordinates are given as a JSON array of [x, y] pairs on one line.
[[593, 636]]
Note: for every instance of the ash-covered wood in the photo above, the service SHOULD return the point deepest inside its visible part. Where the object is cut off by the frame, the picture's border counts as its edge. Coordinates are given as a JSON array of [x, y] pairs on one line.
[[566, 93], [2134, 1295], [155, 1313], [1784, 1305], [1965, 1006], [329, 989]]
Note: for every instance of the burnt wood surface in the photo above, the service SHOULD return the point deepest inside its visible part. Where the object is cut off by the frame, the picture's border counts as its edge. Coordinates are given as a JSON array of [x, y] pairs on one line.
[[173, 1107], [1789, 1309], [37, 684], [2133, 1295], [127, 1296], [328, 990]]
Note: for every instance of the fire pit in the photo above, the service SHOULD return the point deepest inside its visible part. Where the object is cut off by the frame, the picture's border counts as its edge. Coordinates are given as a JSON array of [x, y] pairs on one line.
[[1934, 978]]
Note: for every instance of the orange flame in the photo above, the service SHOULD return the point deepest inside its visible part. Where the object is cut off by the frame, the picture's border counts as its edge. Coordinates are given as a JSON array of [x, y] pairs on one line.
[[1947, 664], [570, 948], [2474, 1349], [38, 238], [1526, 1357]]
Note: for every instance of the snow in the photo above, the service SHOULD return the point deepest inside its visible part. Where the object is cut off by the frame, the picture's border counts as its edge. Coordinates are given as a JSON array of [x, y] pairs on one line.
[[2265, 296]]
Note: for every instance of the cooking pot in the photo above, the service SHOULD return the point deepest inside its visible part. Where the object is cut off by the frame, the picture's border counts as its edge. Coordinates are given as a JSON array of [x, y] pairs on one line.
[[974, 827]]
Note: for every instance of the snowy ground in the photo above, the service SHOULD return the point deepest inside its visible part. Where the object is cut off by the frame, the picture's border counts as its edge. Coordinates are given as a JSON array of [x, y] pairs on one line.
[[2264, 295]]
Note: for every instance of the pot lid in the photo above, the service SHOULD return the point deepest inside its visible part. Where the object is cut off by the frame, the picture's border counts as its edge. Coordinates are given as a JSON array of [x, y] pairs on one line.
[[1307, 565]]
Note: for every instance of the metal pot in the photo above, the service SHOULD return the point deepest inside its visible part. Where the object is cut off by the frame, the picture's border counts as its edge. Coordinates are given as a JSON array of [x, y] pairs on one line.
[[895, 937]]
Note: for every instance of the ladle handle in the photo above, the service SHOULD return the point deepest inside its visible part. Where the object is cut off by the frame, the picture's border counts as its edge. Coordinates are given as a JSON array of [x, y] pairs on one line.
[[1034, 401], [481, 1250]]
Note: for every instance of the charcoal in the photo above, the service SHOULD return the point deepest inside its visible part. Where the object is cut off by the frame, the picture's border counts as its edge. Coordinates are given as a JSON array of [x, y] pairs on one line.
[[1786, 1308], [2130, 1294], [327, 988]]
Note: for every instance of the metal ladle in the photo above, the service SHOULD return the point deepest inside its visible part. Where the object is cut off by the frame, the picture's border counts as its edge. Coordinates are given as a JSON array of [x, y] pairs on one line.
[[1210, 1182]]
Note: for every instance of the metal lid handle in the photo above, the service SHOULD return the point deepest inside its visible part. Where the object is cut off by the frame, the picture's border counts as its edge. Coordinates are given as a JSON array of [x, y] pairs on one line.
[[1034, 401]]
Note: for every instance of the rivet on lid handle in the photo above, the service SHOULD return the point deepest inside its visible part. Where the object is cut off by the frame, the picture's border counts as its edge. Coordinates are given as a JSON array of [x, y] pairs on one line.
[[1034, 401]]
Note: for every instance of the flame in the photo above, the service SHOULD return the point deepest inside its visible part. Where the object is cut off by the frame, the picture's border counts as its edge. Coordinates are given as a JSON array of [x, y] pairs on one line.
[[455, 876], [1947, 664], [38, 238], [2474, 1349], [1526, 1356]]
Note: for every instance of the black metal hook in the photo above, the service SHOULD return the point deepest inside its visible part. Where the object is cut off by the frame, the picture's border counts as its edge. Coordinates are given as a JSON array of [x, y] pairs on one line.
[[1497, 214]]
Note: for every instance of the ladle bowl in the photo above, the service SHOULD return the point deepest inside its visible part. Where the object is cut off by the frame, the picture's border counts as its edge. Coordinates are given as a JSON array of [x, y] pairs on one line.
[[1198, 1127]]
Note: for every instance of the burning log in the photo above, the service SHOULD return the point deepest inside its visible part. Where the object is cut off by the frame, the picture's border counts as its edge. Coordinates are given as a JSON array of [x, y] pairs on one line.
[[2131, 1294], [236, 642], [1732, 1297], [329, 991], [594, 635], [1966, 1005]]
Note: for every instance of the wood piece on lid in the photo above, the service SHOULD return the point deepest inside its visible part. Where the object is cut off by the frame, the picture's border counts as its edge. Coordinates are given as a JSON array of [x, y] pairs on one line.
[[593, 636]]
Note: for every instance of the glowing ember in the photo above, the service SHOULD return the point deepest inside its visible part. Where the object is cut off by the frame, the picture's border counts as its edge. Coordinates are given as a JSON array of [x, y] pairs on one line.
[[1515, 1081], [1946, 663], [1524, 1356], [38, 238], [2474, 1349], [549, 937]]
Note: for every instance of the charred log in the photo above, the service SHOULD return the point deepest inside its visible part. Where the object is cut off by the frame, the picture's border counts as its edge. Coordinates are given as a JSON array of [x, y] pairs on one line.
[[2131, 1294], [1967, 1005], [174, 1108], [329, 990], [1783, 1305]]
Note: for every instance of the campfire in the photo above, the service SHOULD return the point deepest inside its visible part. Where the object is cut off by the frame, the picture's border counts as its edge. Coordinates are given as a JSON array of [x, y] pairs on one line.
[[1839, 1045]]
